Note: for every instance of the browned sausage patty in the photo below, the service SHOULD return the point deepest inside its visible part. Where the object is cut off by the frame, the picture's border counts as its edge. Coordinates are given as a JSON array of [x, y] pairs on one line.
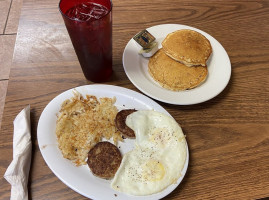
[[104, 160], [121, 125]]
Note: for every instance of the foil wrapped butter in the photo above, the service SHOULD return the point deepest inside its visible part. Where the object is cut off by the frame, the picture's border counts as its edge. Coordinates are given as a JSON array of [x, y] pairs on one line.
[[148, 43]]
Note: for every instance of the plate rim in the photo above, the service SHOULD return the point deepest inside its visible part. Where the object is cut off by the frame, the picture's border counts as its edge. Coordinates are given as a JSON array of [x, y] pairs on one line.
[[161, 194], [163, 97]]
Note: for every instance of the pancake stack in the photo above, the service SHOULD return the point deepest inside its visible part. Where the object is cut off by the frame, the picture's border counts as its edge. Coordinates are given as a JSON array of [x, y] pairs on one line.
[[181, 63]]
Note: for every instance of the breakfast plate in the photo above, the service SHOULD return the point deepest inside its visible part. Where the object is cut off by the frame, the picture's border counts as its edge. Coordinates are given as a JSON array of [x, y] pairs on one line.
[[136, 68], [80, 179]]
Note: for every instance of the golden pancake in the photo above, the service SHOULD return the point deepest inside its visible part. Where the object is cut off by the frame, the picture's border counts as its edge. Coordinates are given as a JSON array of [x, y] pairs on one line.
[[173, 75], [188, 47]]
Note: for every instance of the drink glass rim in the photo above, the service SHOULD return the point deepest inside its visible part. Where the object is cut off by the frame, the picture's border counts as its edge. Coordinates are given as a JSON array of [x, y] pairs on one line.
[[63, 14]]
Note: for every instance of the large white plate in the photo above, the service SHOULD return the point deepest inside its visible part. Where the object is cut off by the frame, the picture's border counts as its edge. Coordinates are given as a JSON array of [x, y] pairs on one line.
[[80, 178], [136, 68]]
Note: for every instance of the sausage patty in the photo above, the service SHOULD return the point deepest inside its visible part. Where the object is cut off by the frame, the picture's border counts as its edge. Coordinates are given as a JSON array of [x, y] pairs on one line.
[[121, 125], [104, 160]]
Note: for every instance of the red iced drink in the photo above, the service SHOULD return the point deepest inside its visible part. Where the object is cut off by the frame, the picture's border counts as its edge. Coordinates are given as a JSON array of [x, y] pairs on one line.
[[89, 24]]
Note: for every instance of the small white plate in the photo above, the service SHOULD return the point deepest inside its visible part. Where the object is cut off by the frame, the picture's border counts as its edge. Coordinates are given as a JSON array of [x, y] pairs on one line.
[[136, 68], [80, 179]]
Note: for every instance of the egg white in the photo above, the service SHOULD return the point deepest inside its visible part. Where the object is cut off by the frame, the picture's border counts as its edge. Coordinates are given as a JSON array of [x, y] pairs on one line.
[[157, 158]]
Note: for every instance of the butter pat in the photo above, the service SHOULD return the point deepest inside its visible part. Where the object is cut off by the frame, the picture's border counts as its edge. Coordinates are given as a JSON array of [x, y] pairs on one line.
[[150, 51], [147, 42]]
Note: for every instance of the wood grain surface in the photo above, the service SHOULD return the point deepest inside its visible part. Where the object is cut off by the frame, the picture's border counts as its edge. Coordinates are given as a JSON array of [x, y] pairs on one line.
[[228, 136]]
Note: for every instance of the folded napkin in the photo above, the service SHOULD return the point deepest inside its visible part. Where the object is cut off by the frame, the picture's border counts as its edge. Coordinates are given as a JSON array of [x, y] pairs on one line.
[[18, 171]]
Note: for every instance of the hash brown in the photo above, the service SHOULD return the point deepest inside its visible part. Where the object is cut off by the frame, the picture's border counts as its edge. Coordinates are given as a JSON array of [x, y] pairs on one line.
[[83, 122]]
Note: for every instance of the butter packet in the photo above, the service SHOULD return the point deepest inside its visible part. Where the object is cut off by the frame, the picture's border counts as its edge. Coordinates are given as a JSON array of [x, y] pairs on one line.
[[147, 42]]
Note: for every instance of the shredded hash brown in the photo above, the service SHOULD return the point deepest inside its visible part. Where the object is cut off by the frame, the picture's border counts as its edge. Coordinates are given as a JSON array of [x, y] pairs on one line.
[[82, 123]]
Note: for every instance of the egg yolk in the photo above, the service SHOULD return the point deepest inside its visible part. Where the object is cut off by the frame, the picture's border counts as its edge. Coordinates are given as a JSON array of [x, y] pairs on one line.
[[153, 171]]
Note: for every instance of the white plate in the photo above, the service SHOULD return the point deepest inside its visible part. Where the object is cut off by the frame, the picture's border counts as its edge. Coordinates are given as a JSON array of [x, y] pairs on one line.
[[136, 68], [80, 178]]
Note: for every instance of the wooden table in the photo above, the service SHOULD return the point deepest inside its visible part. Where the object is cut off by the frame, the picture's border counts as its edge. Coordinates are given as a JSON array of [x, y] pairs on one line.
[[228, 136]]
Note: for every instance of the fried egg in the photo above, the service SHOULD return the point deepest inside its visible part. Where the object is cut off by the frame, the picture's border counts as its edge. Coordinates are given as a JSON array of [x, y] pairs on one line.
[[157, 158]]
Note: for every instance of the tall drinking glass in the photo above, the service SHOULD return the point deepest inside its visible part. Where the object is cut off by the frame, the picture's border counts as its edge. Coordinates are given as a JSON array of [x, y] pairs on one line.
[[89, 24]]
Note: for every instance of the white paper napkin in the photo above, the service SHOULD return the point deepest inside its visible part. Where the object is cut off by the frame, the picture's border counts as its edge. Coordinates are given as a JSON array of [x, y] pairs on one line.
[[18, 171]]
